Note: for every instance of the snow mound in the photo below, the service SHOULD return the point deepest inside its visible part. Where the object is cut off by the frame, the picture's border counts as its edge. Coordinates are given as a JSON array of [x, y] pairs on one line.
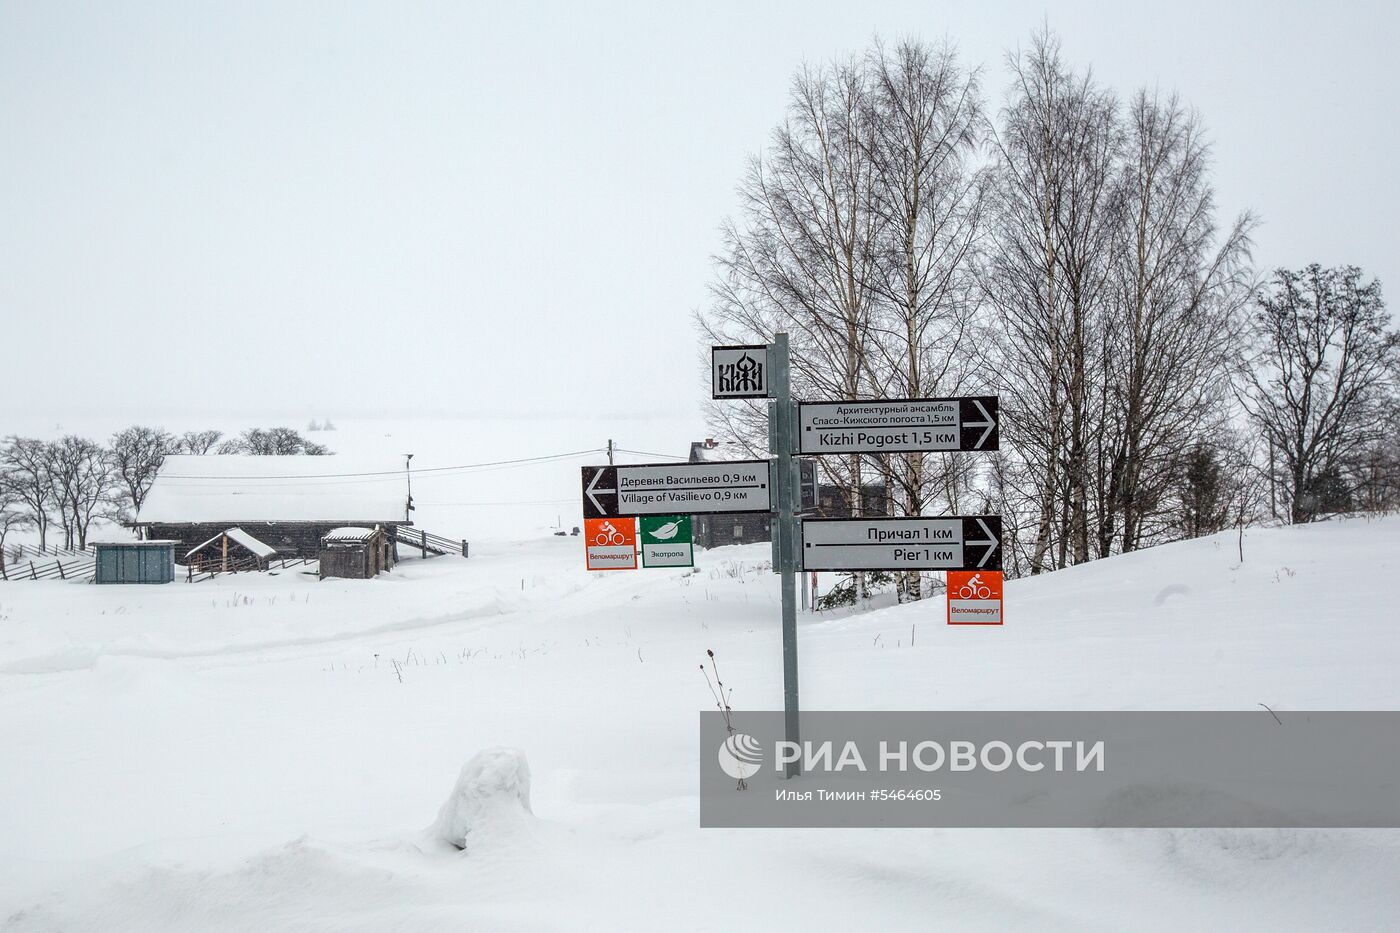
[[491, 797]]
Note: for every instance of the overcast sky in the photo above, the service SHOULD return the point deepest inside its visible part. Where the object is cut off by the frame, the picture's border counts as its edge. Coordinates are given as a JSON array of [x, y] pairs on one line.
[[268, 208]]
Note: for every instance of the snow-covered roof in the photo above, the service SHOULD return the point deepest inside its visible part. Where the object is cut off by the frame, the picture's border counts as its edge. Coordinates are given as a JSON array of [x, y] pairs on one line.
[[252, 544], [348, 535], [132, 542], [237, 488]]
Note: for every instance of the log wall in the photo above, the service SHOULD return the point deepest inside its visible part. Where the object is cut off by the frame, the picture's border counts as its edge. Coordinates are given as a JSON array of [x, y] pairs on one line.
[[292, 539]]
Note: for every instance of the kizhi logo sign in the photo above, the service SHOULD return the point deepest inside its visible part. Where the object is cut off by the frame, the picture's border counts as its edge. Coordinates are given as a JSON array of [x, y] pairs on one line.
[[743, 375], [739, 372], [740, 756]]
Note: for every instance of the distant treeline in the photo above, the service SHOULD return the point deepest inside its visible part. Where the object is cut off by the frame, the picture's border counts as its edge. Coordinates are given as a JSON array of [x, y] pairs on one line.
[[66, 484]]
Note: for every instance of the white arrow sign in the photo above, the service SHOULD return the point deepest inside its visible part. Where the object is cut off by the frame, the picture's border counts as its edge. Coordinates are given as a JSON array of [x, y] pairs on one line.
[[948, 543], [898, 425], [677, 488]]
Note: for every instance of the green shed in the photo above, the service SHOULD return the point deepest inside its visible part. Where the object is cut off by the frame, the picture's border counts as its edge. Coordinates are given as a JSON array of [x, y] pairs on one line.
[[135, 561]]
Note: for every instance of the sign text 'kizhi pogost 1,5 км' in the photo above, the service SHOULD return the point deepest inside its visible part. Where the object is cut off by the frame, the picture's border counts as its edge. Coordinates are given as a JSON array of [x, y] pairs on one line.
[[901, 425]]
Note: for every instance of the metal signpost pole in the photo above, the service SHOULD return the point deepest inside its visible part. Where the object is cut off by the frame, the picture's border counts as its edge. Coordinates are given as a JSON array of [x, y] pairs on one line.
[[781, 432]]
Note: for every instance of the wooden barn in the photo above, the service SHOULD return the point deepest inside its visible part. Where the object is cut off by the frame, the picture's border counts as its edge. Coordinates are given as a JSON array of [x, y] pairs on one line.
[[286, 504]]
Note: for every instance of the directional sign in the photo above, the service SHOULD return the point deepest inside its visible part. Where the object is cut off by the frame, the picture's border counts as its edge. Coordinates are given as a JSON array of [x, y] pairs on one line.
[[611, 543], [677, 488], [974, 597], [950, 543], [739, 372], [666, 541], [921, 424]]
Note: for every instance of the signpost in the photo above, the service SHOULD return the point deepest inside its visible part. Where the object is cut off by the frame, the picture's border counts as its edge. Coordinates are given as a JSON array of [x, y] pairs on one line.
[[905, 425], [663, 496], [974, 597], [787, 479], [916, 543], [667, 541], [676, 488], [611, 543]]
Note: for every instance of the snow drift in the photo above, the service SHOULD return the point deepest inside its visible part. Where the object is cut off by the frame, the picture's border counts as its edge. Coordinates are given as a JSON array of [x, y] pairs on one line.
[[491, 797]]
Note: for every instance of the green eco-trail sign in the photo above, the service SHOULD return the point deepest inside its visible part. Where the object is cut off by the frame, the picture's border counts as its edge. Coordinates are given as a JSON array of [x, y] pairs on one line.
[[667, 541]]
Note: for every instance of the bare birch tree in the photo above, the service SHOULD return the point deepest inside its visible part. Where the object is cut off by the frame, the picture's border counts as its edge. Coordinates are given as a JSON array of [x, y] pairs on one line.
[[926, 116], [800, 258], [1177, 294], [1322, 373], [1045, 276]]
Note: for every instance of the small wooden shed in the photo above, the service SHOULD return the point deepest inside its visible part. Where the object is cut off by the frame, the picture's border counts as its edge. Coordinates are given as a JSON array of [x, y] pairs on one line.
[[135, 561], [230, 550], [355, 553]]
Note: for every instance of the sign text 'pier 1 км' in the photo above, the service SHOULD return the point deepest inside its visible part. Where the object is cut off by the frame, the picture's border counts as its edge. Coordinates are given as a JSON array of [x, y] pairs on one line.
[[913, 543]]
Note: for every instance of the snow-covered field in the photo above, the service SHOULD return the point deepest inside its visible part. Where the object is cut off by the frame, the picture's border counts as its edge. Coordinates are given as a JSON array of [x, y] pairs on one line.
[[267, 752]]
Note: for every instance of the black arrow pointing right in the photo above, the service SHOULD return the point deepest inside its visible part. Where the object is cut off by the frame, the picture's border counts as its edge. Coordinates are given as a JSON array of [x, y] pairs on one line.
[[982, 542], [979, 422]]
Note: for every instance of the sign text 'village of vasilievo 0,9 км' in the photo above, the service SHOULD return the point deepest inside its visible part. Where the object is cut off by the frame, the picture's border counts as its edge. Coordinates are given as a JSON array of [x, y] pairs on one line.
[[677, 488]]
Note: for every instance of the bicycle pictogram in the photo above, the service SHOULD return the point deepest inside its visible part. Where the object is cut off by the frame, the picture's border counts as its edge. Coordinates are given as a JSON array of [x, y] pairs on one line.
[[608, 535], [974, 588]]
